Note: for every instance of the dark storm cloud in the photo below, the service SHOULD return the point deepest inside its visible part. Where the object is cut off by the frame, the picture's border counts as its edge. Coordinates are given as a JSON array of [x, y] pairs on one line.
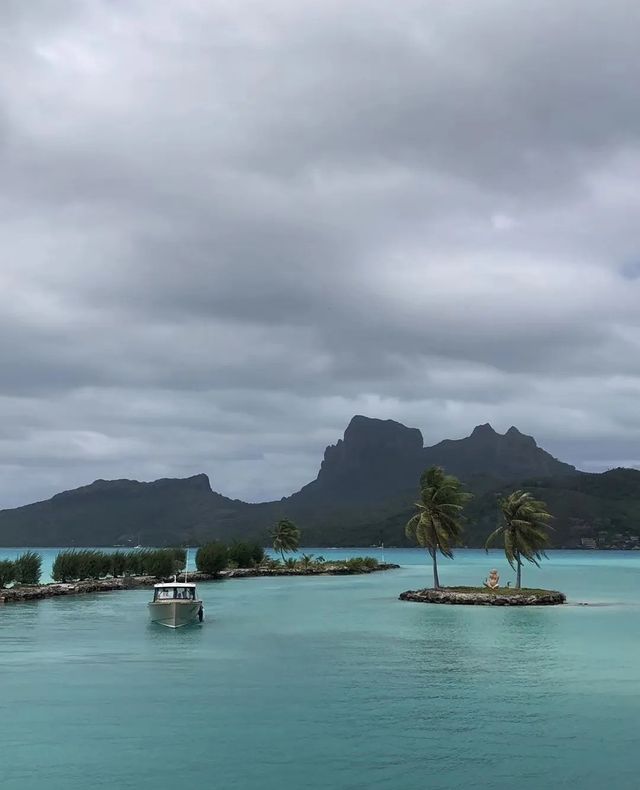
[[226, 228]]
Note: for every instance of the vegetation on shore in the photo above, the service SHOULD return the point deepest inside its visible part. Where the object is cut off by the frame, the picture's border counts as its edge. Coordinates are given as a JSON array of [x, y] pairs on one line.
[[497, 590], [523, 529], [81, 564], [214, 557], [25, 569], [437, 523], [7, 572], [285, 537]]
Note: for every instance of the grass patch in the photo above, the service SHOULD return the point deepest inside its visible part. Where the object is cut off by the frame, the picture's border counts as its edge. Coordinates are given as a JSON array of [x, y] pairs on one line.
[[497, 590]]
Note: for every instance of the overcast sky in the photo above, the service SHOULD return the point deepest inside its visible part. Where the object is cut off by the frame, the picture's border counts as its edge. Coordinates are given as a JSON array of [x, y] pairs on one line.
[[227, 226]]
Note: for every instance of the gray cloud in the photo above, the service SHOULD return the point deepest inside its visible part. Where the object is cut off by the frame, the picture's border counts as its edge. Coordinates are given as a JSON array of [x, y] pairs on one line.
[[225, 228]]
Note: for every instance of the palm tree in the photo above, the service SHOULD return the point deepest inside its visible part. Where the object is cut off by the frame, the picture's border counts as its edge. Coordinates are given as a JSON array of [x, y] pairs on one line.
[[437, 523], [524, 524], [306, 561], [286, 537]]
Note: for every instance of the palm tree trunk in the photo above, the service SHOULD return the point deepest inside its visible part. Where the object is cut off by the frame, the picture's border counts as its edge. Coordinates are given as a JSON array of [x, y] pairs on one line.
[[436, 580], [518, 571]]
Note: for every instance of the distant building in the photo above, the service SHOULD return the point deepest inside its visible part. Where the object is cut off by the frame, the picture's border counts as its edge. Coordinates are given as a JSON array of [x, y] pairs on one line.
[[588, 543]]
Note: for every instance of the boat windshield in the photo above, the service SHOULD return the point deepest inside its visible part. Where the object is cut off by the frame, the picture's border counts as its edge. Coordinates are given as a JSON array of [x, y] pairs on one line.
[[175, 593]]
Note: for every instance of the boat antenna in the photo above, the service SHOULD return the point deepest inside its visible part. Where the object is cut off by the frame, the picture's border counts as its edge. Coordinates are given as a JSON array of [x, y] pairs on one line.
[[186, 565]]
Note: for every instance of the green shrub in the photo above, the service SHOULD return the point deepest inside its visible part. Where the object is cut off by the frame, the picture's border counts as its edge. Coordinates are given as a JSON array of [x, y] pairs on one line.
[[361, 563], [93, 564], [27, 568], [118, 563], [179, 559], [66, 566], [245, 554], [134, 563], [290, 563], [7, 572], [81, 564], [160, 563], [212, 558]]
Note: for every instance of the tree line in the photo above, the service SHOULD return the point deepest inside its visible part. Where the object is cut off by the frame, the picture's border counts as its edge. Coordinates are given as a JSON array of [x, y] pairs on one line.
[[216, 556], [212, 558], [25, 569], [437, 524], [81, 564], [72, 565]]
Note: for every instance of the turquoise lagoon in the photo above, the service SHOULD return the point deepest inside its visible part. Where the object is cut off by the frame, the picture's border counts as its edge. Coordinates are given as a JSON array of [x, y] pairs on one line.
[[330, 682]]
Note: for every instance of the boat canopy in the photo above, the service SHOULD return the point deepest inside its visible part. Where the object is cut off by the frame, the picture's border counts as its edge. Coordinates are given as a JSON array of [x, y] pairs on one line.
[[174, 584], [174, 592]]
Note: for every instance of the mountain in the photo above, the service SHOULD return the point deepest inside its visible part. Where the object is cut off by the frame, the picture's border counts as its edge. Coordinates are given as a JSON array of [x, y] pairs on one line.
[[362, 494], [511, 456], [377, 459], [109, 512]]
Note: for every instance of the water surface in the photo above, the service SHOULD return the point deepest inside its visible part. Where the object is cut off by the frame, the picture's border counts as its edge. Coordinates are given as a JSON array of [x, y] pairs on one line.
[[330, 683]]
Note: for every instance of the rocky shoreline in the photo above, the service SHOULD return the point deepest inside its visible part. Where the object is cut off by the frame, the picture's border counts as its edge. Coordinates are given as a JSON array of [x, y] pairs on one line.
[[507, 597], [54, 590]]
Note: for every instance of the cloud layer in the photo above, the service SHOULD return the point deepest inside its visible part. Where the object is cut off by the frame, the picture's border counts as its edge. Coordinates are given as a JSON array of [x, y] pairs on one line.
[[227, 227]]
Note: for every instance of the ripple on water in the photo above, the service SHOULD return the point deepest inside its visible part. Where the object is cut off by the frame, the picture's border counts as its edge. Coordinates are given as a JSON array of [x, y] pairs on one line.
[[329, 682]]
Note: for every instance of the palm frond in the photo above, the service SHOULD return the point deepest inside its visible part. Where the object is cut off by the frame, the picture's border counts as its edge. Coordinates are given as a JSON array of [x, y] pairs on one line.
[[492, 537]]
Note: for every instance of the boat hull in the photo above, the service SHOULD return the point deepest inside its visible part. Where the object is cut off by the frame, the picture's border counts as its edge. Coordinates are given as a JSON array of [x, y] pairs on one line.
[[174, 614]]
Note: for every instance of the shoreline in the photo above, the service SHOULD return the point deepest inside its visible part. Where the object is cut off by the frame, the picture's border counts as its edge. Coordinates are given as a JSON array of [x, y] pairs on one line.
[[472, 597], [38, 592]]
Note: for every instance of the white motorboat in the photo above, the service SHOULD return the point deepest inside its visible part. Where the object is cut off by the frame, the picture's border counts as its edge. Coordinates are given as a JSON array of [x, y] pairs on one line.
[[176, 604]]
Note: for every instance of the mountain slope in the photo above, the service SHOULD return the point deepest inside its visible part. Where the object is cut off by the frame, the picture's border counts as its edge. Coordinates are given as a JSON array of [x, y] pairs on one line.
[[603, 506], [362, 494], [510, 456], [108, 512], [377, 459]]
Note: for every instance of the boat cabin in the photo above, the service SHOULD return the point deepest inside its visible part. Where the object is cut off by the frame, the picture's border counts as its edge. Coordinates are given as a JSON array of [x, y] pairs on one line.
[[174, 591]]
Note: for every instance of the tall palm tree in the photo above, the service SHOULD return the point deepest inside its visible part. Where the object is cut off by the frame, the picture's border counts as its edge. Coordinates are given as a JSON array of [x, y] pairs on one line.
[[437, 523], [286, 537], [525, 521]]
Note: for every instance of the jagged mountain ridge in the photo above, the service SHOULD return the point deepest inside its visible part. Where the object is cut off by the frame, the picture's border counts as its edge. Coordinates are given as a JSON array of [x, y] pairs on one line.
[[378, 458], [365, 478], [508, 456]]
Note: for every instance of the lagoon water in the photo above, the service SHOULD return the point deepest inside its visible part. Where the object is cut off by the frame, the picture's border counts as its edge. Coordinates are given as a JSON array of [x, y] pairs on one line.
[[330, 682]]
